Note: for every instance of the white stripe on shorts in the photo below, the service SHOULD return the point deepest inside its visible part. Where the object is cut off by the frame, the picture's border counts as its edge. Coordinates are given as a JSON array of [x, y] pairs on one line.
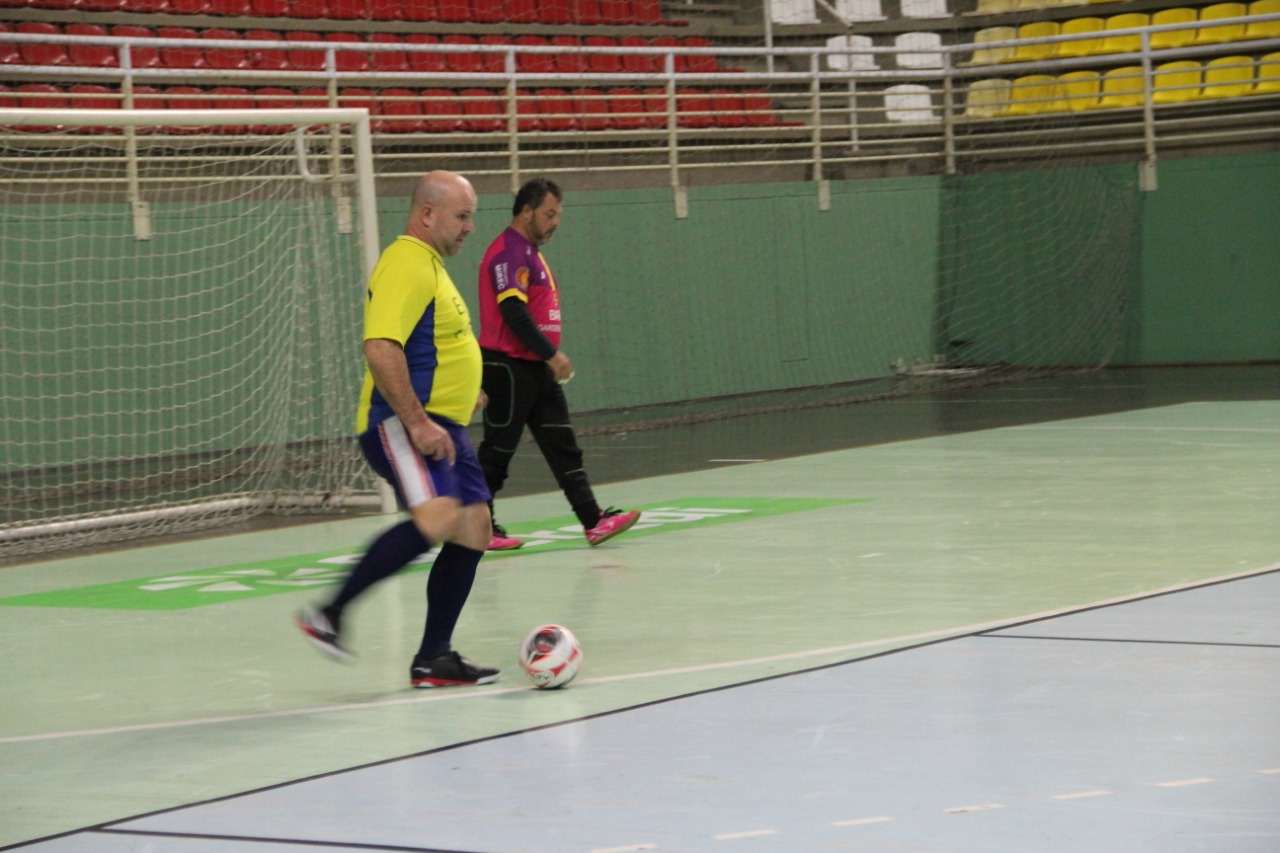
[[411, 469]]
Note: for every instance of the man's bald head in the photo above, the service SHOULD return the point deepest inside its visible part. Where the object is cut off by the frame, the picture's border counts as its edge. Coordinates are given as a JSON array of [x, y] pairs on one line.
[[443, 213]]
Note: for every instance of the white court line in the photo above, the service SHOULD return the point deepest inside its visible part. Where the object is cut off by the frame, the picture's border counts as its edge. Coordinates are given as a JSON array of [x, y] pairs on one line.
[[1272, 771], [861, 821], [751, 833], [464, 694], [1182, 783], [1122, 428], [628, 849], [1080, 795], [980, 807]]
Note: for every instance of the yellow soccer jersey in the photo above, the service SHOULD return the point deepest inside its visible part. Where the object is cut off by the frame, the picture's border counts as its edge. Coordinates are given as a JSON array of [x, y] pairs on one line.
[[412, 300]]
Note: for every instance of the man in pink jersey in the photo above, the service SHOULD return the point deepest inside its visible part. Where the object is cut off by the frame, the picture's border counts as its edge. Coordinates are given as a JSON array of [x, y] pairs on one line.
[[524, 367]]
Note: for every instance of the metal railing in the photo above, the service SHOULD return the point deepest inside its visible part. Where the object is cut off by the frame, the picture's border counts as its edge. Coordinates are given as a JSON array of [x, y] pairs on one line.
[[819, 113]]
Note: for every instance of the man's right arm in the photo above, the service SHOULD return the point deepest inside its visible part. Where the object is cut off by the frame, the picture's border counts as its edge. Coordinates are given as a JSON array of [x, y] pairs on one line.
[[390, 373], [515, 313]]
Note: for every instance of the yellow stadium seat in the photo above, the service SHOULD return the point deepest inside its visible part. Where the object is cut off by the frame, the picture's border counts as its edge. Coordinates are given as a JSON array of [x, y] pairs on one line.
[[991, 55], [1173, 38], [1228, 77], [1124, 44], [1081, 47], [1122, 87], [1268, 75], [1218, 35], [1036, 52], [1034, 94], [995, 7], [1080, 90], [1092, 2], [1263, 29], [1176, 82], [987, 98]]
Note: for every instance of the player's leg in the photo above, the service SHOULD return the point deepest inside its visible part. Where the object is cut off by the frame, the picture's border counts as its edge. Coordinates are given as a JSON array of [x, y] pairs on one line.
[[506, 383], [389, 452], [552, 430], [452, 575]]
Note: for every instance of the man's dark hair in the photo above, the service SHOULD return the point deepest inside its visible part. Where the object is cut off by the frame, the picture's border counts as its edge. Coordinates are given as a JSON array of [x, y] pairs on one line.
[[534, 193]]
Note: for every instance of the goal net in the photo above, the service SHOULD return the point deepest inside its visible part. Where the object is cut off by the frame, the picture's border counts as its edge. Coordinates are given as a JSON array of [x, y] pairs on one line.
[[181, 300]]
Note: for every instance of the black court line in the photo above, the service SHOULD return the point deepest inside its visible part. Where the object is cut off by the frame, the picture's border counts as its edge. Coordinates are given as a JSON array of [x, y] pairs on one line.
[[253, 839], [1123, 640], [110, 826]]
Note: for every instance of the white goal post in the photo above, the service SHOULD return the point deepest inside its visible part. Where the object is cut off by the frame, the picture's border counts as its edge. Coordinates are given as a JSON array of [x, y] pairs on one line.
[[181, 291]]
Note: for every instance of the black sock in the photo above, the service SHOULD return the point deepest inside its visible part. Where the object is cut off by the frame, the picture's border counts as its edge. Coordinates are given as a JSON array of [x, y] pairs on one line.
[[588, 514], [448, 586], [389, 553]]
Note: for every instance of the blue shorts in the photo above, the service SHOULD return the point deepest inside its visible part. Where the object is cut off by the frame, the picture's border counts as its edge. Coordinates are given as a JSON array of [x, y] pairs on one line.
[[417, 478]]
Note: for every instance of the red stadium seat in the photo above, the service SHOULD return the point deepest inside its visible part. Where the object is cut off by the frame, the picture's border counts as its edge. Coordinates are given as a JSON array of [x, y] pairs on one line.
[[727, 108], [616, 12], [626, 108], [465, 61], [494, 62], [140, 56], [230, 8], [522, 11], [88, 55], [639, 63], [585, 12], [188, 7], [593, 109], [655, 104], [181, 57], [146, 6], [527, 118], [185, 98], [425, 61], [487, 11], [557, 109], [7, 99], [149, 98], [402, 112], [304, 59], [385, 10], [93, 96], [309, 10], [482, 111], [758, 109], [449, 11], [266, 58], [231, 98], [273, 98], [420, 10], [441, 111], [534, 63], [555, 12], [647, 12], [698, 63], [9, 53], [99, 5], [571, 60], [602, 63], [314, 98], [359, 98], [693, 106], [41, 54], [348, 60], [41, 96], [269, 8], [348, 10], [390, 61], [225, 58], [51, 4]]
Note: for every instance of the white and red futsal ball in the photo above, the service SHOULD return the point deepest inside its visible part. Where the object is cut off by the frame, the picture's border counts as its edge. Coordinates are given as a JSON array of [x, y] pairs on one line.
[[550, 656]]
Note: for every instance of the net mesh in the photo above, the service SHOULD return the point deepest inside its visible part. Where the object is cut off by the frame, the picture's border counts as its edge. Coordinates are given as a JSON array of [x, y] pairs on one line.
[[195, 377]]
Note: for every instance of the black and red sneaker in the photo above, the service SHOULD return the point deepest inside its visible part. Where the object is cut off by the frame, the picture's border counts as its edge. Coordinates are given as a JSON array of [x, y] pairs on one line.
[[449, 670]]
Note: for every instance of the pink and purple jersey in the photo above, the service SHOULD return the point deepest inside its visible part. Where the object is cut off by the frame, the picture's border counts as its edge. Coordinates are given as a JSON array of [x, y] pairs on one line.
[[513, 268]]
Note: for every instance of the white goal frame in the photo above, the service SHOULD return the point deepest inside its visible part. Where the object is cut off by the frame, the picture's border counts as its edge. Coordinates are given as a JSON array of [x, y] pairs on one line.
[[363, 178]]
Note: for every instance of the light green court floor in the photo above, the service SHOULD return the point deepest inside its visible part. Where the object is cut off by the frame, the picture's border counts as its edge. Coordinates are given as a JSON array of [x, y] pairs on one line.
[[141, 680]]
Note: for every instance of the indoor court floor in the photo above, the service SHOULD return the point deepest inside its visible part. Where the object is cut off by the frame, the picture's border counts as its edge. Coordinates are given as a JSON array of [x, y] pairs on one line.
[[1033, 617]]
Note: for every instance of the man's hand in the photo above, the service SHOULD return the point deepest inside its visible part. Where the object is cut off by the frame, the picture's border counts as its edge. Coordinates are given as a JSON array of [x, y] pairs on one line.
[[561, 367], [433, 440]]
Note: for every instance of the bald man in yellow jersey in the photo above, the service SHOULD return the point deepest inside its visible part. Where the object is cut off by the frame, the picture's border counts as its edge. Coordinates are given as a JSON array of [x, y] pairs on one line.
[[421, 386]]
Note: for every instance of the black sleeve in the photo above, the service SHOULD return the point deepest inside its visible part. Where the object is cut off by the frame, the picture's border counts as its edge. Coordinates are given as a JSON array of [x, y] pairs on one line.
[[518, 319]]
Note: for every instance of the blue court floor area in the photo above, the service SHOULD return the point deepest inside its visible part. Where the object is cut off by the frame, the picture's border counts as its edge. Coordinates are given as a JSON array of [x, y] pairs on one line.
[[1055, 635]]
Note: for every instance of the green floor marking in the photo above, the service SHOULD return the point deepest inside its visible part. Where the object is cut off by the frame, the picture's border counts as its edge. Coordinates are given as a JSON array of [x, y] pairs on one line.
[[182, 590]]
